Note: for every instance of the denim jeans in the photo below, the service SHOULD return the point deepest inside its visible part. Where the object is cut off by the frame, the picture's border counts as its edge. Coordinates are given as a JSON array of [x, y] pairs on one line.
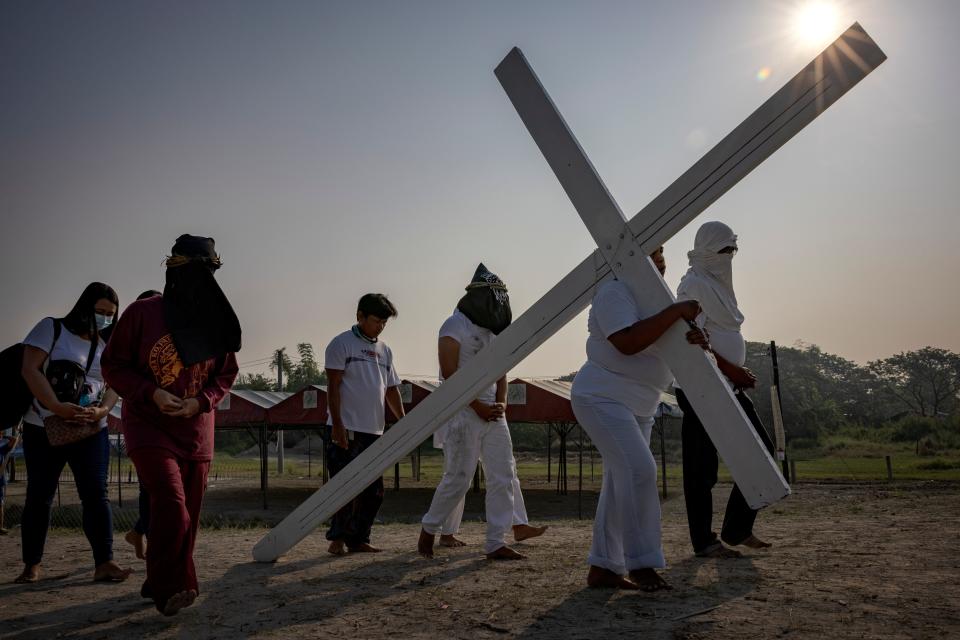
[[88, 459]]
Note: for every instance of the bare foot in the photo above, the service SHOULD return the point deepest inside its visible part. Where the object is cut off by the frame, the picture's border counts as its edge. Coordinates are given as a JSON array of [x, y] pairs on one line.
[[719, 551], [448, 540], [30, 574], [110, 571], [337, 548], [505, 553], [649, 580], [135, 540], [179, 601], [600, 578], [363, 547], [523, 532], [425, 544], [754, 542]]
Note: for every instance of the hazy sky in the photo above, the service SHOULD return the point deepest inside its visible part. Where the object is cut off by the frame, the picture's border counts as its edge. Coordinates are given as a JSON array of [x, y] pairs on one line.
[[335, 148]]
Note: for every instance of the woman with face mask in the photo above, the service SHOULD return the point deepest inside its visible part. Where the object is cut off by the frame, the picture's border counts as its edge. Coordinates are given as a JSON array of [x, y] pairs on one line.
[[78, 338]]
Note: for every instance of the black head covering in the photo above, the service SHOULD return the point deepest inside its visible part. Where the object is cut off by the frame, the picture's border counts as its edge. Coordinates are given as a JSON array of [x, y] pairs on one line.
[[82, 319], [197, 313], [486, 302]]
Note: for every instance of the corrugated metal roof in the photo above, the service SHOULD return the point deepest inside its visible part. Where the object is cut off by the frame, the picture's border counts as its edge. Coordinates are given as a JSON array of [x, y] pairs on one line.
[[562, 388], [430, 384], [263, 399], [556, 387]]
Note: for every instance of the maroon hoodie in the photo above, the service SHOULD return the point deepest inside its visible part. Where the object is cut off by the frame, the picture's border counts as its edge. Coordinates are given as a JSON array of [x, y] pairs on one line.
[[139, 358]]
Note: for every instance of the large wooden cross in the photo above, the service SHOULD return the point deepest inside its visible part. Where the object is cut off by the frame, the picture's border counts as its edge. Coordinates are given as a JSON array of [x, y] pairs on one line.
[[622, 253]]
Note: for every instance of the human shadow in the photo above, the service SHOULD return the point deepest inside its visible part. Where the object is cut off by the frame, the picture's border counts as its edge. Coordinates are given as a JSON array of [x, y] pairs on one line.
[[251, 598], [590, 613]]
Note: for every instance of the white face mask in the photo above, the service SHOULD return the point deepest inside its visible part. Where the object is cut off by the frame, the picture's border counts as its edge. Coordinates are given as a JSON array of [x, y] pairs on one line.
[[103, 321]]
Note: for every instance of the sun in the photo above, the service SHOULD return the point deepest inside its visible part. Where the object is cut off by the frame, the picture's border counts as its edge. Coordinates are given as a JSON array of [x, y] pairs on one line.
[[816, 23]]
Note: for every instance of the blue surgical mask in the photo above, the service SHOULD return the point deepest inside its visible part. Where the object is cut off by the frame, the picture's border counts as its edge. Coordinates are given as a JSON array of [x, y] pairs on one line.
[[103, 321]]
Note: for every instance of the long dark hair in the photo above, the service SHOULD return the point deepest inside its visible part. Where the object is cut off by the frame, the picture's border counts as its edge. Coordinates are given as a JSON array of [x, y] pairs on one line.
[[81, 320]]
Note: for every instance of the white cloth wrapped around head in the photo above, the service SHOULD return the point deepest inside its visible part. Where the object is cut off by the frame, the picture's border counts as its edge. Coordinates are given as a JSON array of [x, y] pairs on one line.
[[709, 280]]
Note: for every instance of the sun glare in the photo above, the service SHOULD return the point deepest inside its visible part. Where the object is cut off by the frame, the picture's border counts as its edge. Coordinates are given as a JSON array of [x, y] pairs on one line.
[[816, 23]]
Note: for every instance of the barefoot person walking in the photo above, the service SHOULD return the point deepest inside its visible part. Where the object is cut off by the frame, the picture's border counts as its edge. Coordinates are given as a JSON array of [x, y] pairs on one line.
[[710, 281], [172, 360], [478, 431], [614, 397], [361, 375]]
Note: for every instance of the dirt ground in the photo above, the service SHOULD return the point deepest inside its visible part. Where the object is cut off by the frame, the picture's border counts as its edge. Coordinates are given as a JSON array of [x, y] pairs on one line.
[[849, 561]]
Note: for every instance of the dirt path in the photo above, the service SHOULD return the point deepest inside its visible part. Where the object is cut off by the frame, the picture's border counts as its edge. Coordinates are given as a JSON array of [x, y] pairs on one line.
[[849, 562]]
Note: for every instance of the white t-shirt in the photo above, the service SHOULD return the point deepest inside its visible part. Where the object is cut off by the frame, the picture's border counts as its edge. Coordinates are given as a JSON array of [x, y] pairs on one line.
[[634, 380], [728, 344], [472, 339], [69, 347], [367, 373]]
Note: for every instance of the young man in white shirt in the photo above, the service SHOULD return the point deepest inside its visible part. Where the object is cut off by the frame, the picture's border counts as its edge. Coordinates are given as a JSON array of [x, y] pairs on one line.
[[479, 429], [360, 376], [710, 281]]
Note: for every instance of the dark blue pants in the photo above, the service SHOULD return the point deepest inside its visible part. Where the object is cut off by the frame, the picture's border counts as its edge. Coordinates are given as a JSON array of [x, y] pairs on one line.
[[88, 459], [700, 464], [352, 524]]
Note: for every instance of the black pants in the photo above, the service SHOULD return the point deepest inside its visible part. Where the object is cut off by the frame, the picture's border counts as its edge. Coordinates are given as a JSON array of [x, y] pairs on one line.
[[700, 464], [88, 459], [142, 525], [352, 523]]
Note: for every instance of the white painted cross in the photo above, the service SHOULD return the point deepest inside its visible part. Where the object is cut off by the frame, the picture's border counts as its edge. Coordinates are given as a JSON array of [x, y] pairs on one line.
[[831, 74]]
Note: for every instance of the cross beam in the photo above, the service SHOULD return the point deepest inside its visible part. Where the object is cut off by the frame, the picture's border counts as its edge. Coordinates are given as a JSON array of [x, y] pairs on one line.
[[831, 74]]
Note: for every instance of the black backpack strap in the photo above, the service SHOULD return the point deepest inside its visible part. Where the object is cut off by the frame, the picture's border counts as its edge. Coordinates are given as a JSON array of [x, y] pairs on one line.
[[57, 330]]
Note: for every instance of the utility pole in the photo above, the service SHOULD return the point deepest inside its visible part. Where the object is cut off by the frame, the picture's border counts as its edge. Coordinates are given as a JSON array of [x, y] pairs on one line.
[[280, 430]]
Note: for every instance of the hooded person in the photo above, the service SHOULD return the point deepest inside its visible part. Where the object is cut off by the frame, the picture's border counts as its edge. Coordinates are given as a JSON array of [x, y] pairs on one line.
[[709, 280], [477, 431], [171, 358]]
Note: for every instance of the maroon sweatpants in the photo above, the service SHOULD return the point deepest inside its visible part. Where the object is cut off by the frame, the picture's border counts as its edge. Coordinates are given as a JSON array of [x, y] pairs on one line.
[[176, 491]]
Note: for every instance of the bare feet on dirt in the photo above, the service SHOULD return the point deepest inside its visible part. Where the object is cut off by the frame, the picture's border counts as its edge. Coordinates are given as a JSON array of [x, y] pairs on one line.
[[425, 544], [448, 540], [179, 601], [719, 551], [600, 578], [363, 547], [505, 553], [754, 542], [135, 540], [523, 532], [337, 548], [110, 571], [649, 580], [29, 575]]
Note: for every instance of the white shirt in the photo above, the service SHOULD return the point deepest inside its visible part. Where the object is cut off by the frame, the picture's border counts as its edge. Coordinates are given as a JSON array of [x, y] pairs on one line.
[[472, 339], [71, 347], [729, 344], [367, 373], [633, 380]]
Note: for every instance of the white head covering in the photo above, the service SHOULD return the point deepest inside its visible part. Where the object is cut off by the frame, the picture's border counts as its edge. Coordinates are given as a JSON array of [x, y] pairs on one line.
[[709, 280]]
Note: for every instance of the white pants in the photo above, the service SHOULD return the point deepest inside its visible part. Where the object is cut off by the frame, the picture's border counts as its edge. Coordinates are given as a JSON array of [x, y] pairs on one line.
[[626, 530], [452, 524], [468, 438]]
